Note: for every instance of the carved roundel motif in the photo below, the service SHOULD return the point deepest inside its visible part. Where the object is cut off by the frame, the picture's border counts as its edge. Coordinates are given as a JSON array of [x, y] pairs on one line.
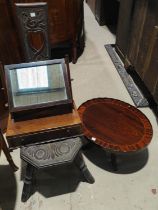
[[64, 148], [40, 154]]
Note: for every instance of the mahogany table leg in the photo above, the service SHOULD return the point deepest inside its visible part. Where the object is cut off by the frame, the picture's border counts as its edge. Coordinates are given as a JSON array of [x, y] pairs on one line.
[[74, 52], [114, 161], [7, 153], [79, 161], [27, 183]]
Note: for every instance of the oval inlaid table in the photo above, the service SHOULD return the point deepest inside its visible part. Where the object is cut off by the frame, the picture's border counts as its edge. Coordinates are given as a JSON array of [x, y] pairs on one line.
[[115, 125]]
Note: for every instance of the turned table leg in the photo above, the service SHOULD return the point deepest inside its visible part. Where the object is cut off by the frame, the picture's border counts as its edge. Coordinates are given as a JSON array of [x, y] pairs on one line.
[[74, 52], [79, 161], [27, 183]]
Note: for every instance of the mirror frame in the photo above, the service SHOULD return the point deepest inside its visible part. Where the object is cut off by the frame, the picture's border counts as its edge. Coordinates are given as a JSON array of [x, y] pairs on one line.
[[45, 109]]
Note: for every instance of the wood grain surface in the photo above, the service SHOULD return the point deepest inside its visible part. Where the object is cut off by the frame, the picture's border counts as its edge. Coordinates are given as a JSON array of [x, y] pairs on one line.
[[41, 124], [115, 125]]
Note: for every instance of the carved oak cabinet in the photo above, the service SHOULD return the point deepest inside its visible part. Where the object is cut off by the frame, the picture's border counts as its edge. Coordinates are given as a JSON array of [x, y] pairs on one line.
[[137, 40]]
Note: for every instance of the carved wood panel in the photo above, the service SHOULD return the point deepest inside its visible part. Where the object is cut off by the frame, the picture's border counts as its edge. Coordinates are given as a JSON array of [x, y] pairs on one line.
[[55, 153], [60, 17], [33, 27], [65, 18]]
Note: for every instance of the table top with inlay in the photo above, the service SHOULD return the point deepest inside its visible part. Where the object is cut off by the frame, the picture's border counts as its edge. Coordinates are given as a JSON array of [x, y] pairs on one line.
[[115, 125]]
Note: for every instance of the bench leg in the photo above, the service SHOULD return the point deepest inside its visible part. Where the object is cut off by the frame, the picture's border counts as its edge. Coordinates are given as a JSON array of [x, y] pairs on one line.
[[79, 161], [27, 183]]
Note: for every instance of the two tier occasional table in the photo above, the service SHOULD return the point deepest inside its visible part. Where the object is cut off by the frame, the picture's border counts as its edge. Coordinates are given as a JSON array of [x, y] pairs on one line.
[[116, 126]]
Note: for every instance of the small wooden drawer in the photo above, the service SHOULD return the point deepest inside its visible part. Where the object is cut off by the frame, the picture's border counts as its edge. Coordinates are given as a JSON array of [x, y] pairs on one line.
[[49, 135]]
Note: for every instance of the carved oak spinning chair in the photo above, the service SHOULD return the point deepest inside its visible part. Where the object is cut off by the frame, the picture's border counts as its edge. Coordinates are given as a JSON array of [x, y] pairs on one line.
[[32, 21]]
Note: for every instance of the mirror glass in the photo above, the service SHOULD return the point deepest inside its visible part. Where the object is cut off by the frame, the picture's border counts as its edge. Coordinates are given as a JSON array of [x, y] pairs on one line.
[[37, 85]]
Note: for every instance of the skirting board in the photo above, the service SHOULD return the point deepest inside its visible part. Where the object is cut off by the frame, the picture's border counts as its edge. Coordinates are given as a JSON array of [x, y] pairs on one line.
[[135, 93]]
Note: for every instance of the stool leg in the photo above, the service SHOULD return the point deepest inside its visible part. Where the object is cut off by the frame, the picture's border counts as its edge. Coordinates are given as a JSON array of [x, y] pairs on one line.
[[114, 161], [7, 153], [79, 161], [27, 183]]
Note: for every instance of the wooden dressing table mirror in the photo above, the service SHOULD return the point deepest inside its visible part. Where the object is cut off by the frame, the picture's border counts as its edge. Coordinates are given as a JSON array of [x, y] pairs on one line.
[[38, 89], [40, 103]]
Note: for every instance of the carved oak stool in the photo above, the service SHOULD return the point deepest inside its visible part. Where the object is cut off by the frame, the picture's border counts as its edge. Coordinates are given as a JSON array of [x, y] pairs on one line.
[[52, 154]]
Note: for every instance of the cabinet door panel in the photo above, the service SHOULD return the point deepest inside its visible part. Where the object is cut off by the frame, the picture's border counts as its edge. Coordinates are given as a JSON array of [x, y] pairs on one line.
[[60, 25], [124, 27], [150, 73], [9, 47], [137, 27], [142, 43], [150, 21]]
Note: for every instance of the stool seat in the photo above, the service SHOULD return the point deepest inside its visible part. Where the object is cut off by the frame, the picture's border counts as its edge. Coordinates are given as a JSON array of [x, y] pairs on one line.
[[54, 153]]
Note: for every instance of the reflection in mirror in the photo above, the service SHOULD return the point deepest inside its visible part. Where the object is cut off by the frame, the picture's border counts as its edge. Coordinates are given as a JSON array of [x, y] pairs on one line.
[[36, 78], [36, 85], [36, 40]]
